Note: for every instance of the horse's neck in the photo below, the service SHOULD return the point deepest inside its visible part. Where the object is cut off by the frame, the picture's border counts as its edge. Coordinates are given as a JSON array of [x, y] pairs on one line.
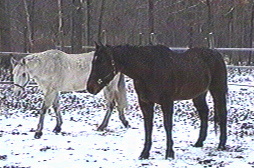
[[129, 65], [38, 70], [36, 75]]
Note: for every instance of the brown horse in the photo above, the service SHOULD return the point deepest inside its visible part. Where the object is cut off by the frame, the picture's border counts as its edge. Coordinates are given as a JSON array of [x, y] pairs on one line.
[[163, 76]]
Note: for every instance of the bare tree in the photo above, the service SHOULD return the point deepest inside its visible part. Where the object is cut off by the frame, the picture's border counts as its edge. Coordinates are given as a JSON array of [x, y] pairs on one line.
[[251, 32], [102, 9], [60, 24], [28, 25], [151, 19], [76, 37], [5, 32], [88, 18], [210, 35]]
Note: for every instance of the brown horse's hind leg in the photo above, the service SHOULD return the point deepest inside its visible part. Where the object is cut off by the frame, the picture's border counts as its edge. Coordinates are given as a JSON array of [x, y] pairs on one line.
[[202, 108], [220, 111]]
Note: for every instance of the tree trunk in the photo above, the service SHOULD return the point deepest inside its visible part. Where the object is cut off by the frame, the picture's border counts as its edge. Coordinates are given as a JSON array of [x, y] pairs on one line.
[[76, 39], [251, 32], [5, 33], [151, 19], [60, 24], [210, 35], [87, 35], [102, 9], [28, 26]]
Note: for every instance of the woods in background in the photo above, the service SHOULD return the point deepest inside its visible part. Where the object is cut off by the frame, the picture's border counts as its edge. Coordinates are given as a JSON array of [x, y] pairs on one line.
[[31, 25]]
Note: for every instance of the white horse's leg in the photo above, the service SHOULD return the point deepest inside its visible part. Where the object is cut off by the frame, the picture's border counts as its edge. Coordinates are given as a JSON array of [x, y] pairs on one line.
[[104, 124], [48, 100], [122, 117], [115, 93], [59, 120], [121, 100], [121, 105], [43, 111]]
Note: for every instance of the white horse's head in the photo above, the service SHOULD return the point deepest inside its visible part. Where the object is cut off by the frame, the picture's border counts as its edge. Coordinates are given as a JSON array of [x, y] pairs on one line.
[[21, 76]]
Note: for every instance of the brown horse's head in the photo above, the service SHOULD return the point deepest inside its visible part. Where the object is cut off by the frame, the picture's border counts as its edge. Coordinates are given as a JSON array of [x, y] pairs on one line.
[[103, 69]]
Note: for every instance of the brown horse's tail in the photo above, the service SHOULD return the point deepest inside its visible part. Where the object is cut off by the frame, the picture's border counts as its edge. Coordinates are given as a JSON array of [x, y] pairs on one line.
[[218, 87]]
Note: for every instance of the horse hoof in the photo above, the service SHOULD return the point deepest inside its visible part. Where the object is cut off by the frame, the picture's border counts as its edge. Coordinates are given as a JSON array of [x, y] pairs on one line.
[[221, 148], [38, 135], [143, 156], [100, 128], [57, 130], [126, 125], [198, 145], [170, 155]]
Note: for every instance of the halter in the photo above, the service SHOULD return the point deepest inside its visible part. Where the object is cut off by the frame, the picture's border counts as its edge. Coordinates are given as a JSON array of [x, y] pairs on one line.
[[100, 81], [23, 87]]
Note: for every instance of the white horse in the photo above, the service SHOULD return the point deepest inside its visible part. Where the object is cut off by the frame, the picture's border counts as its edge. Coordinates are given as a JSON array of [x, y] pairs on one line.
[[55, 71]]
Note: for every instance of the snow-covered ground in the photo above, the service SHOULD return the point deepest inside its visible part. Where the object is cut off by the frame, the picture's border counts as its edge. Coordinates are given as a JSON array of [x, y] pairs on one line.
[[80, 145]]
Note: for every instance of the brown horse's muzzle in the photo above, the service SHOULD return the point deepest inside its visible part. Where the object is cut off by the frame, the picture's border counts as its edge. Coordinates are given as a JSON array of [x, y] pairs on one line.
[[93, 87]]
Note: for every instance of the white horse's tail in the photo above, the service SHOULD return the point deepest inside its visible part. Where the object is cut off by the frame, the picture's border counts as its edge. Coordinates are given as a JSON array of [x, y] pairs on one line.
[[115, 91], [122, 91]]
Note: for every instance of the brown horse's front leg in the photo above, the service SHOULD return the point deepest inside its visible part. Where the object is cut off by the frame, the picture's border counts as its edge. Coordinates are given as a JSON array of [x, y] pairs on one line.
[[147, 110], [167, 109]]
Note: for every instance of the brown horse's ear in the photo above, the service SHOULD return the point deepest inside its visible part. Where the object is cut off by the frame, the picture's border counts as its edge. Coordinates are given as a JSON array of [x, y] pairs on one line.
[[100, 43], [96, 45]]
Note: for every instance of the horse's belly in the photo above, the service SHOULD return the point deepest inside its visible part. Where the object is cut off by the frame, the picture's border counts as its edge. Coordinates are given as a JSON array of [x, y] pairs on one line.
[[75, 83], [190, 90]]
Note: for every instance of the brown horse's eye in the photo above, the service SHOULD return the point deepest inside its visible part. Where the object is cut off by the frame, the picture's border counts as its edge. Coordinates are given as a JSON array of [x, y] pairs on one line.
[[24, 74], [99, 60]]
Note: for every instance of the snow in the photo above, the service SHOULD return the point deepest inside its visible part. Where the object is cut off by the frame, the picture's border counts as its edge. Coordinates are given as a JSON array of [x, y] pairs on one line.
[[80, 145]]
